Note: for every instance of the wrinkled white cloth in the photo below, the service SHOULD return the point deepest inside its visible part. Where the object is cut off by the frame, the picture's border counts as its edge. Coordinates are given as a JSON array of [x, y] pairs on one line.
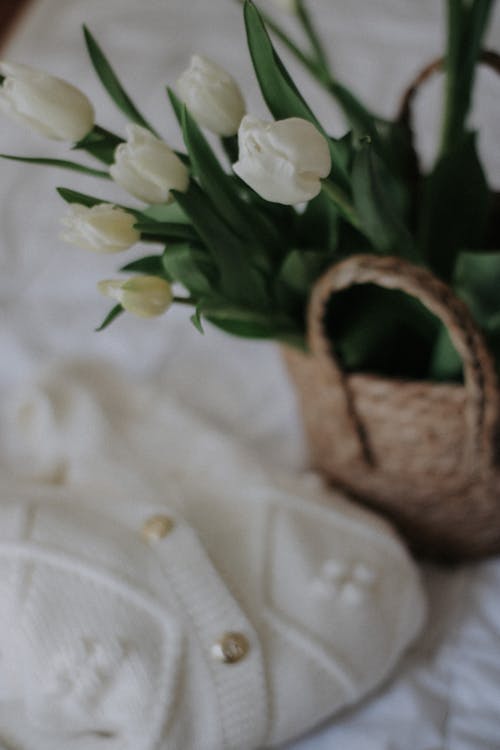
[[109, 635], [447, 692]]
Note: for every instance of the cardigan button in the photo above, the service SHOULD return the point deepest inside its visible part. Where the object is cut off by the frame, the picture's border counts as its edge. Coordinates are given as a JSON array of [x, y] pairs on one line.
[[157, 527], [231, 648]]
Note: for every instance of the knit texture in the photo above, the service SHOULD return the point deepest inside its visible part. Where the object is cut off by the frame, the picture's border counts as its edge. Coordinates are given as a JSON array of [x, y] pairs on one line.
[[109, 634]]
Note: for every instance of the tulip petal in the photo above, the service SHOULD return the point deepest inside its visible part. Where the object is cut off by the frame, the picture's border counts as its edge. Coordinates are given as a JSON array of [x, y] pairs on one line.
[[283, 162], [103, 228], [47, 104], [212, 96], [147, 168]]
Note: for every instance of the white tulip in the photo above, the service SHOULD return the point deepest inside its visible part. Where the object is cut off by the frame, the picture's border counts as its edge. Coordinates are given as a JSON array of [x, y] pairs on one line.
[[147, 168], [49, 105], [212, 96], [145, 296], [282, 161], [103, 228]]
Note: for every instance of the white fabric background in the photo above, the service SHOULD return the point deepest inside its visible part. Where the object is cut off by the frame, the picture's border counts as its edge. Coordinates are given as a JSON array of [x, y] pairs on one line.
[[447, 693]]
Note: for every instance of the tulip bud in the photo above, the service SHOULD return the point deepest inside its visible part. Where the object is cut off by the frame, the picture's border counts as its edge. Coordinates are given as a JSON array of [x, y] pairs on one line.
[[147, 168], [282, 161], [103, 228], [212, 96], [47, 104], [145, 296]]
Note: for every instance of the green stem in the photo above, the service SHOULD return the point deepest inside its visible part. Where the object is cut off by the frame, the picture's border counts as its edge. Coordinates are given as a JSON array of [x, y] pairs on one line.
[[185, 301], [452, 62], [342, 202], [466, 25], [316, 44]]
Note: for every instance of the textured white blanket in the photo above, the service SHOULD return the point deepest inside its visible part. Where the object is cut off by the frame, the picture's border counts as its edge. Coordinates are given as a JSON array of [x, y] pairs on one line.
[[447, 693]]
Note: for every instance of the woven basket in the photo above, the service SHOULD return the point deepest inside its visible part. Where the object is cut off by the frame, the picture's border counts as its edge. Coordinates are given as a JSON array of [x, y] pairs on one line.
[[425, 454]]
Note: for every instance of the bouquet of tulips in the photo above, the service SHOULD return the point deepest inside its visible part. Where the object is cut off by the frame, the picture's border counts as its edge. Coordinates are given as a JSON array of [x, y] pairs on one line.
[[242, 239]]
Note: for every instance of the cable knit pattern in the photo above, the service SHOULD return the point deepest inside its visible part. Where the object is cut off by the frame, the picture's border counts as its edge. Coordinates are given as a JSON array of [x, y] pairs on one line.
[[165, 592]]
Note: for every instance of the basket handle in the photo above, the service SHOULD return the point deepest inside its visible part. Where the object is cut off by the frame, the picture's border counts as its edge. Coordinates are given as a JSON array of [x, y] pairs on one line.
[[482, 407], [487, 57]]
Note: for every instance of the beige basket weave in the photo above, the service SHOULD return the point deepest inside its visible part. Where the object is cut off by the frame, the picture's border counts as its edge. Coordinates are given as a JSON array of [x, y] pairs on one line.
[[424, 454]]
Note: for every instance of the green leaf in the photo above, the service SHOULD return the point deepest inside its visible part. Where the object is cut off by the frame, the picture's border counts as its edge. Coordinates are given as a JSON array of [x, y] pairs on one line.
[[280, 92], [166, 231], [111, 83], [244, 222], [60, 163], [286, 40], [316, 43], [100, 143], [301, 268], [244, 322], [212, 177], [392, 141], [110, 317], [299, 271], [467, 22], [177, 105], [196, 320], [318, 226], [397, 149], [244, 328], [454, 207], [166, 212], [150, 265], [278, 89], [379, 206], [72, 196], [361, 119], [192, 268], [445, 364], [477, 282], [239, 280]]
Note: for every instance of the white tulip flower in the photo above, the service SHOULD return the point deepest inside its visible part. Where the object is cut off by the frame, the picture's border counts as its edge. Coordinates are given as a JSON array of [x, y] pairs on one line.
[[212, 96], [48, 105], [147, 168], [284, 161], [103, 228], [145, 296]]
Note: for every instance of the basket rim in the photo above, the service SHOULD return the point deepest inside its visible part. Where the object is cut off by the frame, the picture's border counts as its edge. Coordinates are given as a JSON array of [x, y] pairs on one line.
[[368, 377]]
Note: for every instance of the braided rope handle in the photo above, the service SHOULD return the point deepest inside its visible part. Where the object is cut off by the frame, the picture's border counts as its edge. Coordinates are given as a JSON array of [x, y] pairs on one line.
[[482, 408]]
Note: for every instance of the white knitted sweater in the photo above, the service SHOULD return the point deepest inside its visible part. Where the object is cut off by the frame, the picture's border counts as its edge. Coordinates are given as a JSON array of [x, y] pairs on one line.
[[160, 591]]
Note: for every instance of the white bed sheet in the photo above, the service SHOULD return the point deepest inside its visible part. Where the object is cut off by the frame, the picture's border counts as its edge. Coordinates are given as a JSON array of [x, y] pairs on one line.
[[446, 694]]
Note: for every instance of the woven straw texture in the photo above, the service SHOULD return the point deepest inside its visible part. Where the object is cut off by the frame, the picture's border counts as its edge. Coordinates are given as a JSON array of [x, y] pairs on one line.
[[426, 455]]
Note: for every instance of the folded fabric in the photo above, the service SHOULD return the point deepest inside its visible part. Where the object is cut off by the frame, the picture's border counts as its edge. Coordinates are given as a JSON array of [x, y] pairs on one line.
[[159, 590]]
